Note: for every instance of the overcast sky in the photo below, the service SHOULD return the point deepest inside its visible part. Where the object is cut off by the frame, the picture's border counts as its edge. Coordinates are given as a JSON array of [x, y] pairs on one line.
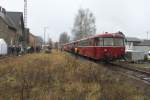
[[129, 16]]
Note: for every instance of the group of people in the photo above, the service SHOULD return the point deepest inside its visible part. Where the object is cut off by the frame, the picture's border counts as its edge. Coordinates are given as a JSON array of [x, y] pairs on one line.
[[18, 50], [14, 50], [31, 49]]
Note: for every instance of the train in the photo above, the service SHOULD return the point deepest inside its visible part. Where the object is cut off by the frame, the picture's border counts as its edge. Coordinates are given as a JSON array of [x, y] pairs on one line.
[[102, 47]]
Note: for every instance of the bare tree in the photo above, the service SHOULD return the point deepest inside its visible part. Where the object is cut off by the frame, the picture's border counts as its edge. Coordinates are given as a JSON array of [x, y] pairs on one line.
[[64, 38], [84, 24]]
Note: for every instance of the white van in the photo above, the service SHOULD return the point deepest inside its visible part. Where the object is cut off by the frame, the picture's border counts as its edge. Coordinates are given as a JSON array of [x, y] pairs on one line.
[[3, 47]]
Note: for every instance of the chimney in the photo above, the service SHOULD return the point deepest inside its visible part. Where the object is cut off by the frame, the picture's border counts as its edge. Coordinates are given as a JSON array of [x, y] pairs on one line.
[[3, 11]]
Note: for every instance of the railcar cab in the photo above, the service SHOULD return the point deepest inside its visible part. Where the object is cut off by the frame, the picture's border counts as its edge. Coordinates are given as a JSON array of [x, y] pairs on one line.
[[110, 46], [110, 40]]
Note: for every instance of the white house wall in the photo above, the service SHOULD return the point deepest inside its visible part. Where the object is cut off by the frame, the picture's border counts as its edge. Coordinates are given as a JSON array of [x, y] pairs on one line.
[[129, 46], [145, 49]]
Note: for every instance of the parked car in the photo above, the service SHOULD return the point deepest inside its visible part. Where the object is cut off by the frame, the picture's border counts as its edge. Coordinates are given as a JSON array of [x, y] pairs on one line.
[[46, 48], [148, 55]]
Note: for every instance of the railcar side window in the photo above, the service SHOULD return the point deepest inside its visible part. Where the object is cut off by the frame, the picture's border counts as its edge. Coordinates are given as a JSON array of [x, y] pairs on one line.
[[80, 43], [100, 42], [108, 42], [91, 42], [118, 42], [84, 43]]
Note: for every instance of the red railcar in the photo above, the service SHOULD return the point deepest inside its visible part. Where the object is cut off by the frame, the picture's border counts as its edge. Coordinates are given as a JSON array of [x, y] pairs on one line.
[[107, 46]]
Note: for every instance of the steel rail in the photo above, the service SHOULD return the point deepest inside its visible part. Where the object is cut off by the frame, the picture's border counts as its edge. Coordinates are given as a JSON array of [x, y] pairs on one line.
[[133, 72]]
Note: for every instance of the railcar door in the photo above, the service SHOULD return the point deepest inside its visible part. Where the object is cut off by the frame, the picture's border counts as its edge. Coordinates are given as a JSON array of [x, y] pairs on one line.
[[98, 44], [91, 48]]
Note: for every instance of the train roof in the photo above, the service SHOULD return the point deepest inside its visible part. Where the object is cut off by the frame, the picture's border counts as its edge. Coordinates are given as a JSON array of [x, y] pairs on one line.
[[104, 35]]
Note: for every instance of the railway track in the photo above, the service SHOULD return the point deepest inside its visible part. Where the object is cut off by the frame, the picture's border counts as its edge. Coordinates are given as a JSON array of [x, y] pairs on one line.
[[124, 69], [129, 71], [3, 57], [8, 56]]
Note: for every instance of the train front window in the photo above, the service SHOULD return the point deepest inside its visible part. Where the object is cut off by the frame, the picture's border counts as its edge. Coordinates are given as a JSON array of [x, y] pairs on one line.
[[108, 42], [118, 42]]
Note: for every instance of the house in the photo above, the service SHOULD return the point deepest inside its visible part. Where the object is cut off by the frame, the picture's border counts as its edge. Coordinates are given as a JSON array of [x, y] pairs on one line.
[[136, 44], [7, 28], [17, 18], [143, 46], [39, 41], [32, 40], [131, 42], [35, 41], [12, 28]]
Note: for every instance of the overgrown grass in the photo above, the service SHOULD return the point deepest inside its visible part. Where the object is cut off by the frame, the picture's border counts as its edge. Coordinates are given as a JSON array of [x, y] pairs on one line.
[[58, 76]]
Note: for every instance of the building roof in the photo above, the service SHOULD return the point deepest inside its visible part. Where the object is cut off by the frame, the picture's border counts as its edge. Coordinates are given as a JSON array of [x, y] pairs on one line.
[[133, 39], [7, 20], [16, 17], [144, 43]]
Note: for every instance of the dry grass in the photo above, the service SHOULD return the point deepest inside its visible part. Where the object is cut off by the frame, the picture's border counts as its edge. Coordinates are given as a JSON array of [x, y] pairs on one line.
[[58, 76]]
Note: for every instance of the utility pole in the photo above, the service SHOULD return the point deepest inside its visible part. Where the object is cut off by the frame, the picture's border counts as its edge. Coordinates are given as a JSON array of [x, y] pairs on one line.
[[45, 35], [25, 13], [26, 35], [147, 35]]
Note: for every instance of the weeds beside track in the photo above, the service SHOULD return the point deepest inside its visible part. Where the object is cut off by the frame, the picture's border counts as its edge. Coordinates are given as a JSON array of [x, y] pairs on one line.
[[124, 69], [131, 71]]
